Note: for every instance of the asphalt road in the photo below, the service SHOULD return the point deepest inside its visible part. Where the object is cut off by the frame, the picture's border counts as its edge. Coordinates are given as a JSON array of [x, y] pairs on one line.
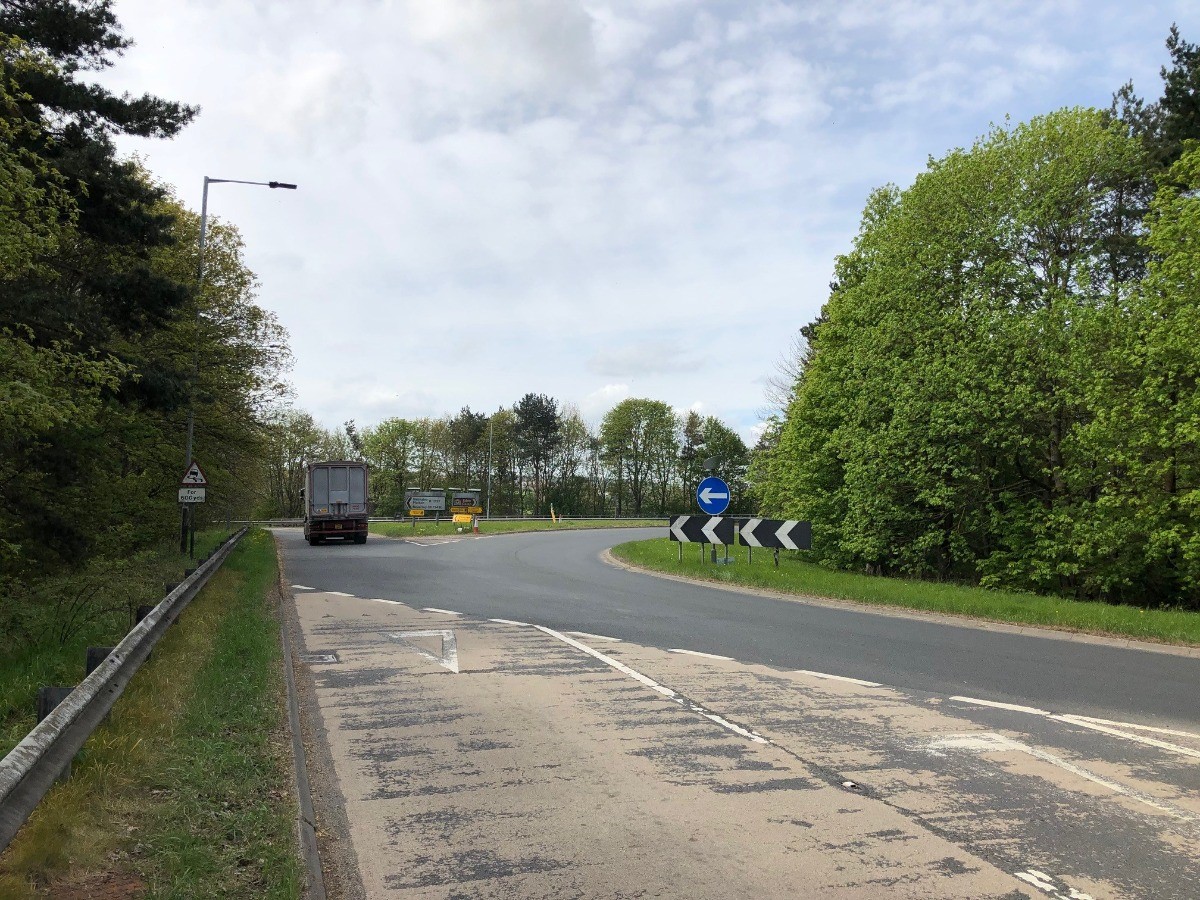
[[557, 579]]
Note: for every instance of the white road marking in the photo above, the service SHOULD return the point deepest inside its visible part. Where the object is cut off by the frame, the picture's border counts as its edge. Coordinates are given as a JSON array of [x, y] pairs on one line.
[[444, 612], [381, 600], [1106, 726], [302, 587], [1039, 880], [449, 657], [1139, 738], [652, 684], [509, 622], [339, 593], [595, 637], [826, 675], [697, 653], [1032, 710], [990, 742]]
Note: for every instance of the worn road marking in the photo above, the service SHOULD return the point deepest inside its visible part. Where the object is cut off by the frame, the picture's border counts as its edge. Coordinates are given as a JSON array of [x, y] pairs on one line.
[[845, 678], [339, 593], [302, 587], [1084, 722], [510, 622], [1106, 726], [449, 657], [1012, 707], [990, 742], [653, 685], [444, 612], [1044, 882], [595, 637], [697, 653]]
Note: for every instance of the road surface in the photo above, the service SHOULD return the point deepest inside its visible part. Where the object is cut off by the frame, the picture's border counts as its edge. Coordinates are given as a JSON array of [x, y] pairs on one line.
[[510, 716]]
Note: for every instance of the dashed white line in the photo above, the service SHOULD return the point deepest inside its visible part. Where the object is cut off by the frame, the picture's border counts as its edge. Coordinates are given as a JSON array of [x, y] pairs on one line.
[[302, 587], [339, 593], [698, 653], [595, 637], [510, 622], [845, 678], [1106, 726], [652, 684], [382, 600], [1012, 707], [444, 612]]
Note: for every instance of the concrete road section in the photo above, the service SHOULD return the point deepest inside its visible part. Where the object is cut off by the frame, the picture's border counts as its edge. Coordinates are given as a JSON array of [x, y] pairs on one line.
[[493, 756]]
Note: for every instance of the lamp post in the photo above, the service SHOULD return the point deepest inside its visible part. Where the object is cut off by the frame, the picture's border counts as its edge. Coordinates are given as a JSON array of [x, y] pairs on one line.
[[188, 522]]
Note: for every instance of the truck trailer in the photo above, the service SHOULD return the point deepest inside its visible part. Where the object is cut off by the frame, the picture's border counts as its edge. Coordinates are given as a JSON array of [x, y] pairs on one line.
[[335, 501]]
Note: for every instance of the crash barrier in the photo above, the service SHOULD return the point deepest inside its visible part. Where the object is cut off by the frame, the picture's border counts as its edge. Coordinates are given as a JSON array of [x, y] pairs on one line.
[[45, 754]]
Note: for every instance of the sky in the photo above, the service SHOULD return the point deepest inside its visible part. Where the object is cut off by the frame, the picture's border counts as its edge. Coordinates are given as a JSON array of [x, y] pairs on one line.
[[592, 200]]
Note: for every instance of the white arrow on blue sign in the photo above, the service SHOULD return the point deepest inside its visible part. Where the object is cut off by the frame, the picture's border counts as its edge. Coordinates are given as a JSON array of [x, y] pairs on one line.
[[713, 495]]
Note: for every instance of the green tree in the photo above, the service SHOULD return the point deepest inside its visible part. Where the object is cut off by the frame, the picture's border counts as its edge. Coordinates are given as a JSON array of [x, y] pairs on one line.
[[537, 438]]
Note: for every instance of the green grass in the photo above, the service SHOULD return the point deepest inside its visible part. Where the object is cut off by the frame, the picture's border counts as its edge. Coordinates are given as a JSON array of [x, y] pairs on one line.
[[795, 576], [424, 528], [186, 789], [45, 660]]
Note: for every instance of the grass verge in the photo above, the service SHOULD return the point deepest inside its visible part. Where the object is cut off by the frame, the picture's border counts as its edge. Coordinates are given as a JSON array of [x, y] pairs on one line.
[[48, 659], [186, 790], [795, 576], [427, 529]]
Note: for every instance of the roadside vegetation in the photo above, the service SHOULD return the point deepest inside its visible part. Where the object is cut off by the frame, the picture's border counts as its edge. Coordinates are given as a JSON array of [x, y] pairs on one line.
[[423, 528], [1003, 387], [807, 579], [185, 791]]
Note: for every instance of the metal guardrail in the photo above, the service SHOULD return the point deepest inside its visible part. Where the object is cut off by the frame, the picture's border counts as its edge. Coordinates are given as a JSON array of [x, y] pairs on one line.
[[295, 523], [32, 767]]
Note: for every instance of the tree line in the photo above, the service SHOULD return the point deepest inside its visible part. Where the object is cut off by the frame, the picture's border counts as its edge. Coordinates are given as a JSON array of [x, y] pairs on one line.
[[1002, 385], [105, 341], [643, 458]]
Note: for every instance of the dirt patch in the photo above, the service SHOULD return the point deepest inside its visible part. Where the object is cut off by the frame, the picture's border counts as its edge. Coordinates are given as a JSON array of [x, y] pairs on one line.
[[106, 886]]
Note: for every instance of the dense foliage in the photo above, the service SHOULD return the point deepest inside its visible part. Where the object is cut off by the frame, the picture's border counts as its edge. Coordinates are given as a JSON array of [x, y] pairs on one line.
[[101, 326], [643, 458], [1002, 385]]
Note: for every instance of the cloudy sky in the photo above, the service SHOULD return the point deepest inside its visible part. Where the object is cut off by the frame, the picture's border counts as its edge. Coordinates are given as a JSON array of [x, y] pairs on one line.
[[593, 200]]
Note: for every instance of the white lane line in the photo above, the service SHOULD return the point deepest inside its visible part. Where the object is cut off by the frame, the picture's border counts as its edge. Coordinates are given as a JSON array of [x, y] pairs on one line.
[[444, 612], [1102, 725], [698, 653], [652, 684], [1139, 738], [302, 587], [1182, 734], [826, 675], [595, 637], [990, 742], [381, 600], [1032, 710], [339, 593], [510, 622]]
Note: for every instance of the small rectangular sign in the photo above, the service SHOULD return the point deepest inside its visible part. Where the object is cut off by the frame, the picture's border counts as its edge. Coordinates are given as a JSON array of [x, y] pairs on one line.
[[462, 519], [191, 495], [416, 512]]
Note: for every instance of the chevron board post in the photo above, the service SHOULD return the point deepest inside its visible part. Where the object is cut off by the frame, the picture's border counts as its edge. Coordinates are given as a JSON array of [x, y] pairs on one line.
[[774, 534], [702, 530]]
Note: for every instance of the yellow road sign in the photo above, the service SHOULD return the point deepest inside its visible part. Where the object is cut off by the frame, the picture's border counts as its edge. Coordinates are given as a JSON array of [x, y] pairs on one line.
[[462, 519], [416, 512]]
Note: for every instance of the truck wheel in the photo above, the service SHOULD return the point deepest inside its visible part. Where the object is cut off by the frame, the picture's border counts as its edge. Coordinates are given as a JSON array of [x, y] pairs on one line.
[[313, 540]]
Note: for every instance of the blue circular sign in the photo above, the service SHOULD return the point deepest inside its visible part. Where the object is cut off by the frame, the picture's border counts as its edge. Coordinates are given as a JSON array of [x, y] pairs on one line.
[[713, 495]]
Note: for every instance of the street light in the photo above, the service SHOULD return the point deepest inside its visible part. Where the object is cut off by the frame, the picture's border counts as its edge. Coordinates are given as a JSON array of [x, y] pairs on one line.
[[187, 514]]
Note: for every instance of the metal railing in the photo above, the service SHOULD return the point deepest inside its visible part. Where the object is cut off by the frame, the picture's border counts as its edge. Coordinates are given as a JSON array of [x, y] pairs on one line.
[[295, 523], [32, 767]]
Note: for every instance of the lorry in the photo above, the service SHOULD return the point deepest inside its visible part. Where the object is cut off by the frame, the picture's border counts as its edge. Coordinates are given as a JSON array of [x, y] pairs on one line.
[[335, 501]]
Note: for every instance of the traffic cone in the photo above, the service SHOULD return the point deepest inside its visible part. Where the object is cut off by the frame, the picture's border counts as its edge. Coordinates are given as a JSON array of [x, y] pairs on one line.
[[475, 524]]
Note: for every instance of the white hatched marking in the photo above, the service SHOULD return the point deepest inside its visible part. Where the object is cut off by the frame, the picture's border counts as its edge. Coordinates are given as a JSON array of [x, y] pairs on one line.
[[449, 657], [595, 637], [698, 653], [1182, 734], [652, 684], [444, 612], [1139, 738], [509, 622], [845, 678]]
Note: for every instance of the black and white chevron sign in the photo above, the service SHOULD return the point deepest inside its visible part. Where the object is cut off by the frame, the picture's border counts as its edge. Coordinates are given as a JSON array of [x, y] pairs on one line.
[[776, 535], [702, 529]]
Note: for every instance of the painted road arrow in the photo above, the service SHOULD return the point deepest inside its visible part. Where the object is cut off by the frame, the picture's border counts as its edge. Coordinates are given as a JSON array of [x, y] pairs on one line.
[[701, 529], [775, 534]]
